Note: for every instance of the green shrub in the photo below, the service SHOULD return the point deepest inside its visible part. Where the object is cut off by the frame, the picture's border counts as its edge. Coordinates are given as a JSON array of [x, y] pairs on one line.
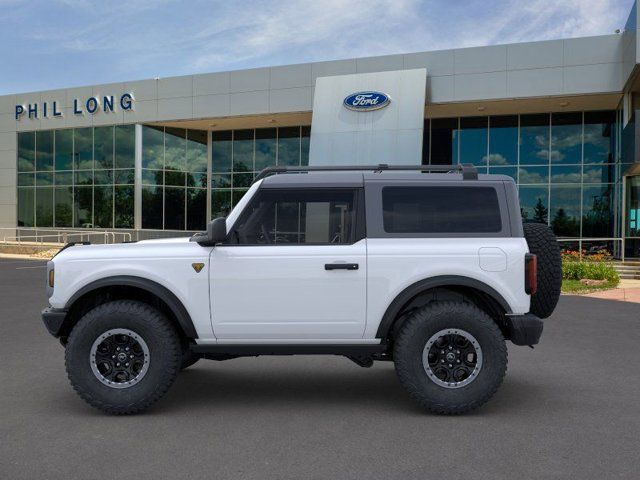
[[572, 270]]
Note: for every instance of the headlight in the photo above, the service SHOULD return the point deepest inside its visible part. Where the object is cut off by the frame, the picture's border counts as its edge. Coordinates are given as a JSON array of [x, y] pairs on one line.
[[51, 277]]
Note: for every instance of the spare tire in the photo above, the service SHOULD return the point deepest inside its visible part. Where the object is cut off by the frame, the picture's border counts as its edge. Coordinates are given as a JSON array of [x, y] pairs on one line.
[[543, 243]]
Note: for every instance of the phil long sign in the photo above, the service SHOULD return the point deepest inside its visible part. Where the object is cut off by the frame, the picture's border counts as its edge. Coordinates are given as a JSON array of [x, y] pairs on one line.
[[91, 105]]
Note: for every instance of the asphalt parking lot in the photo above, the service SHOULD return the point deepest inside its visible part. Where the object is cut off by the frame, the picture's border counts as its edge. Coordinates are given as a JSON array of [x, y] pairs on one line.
[[568, 409]]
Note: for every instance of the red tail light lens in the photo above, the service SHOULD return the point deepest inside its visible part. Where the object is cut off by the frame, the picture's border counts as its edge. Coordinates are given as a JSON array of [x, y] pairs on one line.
[[530, 273]]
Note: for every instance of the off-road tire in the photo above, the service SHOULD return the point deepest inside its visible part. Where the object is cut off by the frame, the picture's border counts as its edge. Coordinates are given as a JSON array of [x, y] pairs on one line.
[[164, 356], [414, 335], [544, 244]]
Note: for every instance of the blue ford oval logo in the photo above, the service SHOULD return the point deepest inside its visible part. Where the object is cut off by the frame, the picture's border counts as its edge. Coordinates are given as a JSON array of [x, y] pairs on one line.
[[366, 101]]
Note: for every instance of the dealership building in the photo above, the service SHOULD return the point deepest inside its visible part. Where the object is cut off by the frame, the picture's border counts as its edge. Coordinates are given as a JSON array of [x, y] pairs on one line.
[[163, 156]]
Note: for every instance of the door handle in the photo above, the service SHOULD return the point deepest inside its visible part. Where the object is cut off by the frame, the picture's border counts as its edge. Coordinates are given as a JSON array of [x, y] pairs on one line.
[[341, 266]]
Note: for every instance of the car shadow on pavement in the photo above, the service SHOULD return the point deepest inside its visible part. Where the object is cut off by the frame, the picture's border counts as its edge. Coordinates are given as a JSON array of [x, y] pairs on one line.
[[378, 389]]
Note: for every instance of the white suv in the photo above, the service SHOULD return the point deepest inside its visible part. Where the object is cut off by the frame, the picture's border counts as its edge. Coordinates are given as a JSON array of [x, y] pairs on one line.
[[433, 271]]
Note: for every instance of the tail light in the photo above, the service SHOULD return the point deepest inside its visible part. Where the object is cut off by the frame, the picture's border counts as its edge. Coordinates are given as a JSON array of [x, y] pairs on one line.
[[530, 273]]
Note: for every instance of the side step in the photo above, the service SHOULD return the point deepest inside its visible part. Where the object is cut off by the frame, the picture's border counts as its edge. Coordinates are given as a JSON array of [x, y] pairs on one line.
[[348, 350]]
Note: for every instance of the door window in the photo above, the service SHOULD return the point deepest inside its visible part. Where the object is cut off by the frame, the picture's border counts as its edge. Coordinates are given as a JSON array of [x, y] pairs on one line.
[[295, 217]]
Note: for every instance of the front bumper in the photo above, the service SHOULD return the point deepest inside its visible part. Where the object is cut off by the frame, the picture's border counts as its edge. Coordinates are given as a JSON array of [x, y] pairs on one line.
[[524, 329], [53, 319]]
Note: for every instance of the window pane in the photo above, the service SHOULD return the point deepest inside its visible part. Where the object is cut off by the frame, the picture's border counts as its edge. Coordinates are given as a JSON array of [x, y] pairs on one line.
[[44, 150], [289, 146], [103, 147], [566, 138], [474, 140], [297, 216], [26, 179], [196, 151], [176, 179], [534, 139], [26, 151], [152, 207], [44, 207], [83, 206], [64, 149], [124, 207], [83, 177], [175, 149], [441, 210], [103, 177], [444, 146], [220, 203], [510, 171], [103, 207], [599, 173], [597, 211], [64, 206], [152, 147], [198, 179], [534, 204], [196, 209], [44, 179], [599, 137], [26, 201], [265, 148], [242, 180], [305, 139], [83, 148], [534, 175], [152, 177], [503, 140], [125, 152], [221, 151], [565, 210], [174, 199], [124, 176], [221, 181], [243, 150], [572, 174]]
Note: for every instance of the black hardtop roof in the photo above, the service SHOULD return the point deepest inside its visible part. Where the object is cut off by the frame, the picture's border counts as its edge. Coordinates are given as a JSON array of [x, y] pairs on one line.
[[354, 176]]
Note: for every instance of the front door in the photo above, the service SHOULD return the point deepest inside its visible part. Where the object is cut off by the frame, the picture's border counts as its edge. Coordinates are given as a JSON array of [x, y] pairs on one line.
[[632, 217], [294, 267]]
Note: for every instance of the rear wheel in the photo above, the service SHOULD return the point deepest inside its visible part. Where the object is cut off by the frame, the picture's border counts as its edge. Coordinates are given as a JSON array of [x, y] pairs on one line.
[[122, 356], [450, 356], [544, 244]]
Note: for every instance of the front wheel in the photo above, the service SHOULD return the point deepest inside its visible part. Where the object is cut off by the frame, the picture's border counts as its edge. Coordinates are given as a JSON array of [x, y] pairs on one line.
[[450, 356], [122, 356]]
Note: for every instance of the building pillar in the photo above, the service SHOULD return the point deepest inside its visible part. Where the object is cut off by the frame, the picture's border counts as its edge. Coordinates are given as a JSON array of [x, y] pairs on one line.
[[137, 210]]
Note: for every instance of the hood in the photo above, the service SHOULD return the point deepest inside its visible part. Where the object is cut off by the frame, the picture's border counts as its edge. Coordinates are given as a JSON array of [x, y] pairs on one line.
[[165, 247]]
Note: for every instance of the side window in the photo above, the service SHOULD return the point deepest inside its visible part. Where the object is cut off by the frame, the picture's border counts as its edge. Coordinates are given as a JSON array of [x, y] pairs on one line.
[[441, 209], [289, 216]]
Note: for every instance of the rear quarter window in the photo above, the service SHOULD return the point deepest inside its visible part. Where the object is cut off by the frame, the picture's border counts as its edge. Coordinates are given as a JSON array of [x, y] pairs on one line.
[[441, 210]]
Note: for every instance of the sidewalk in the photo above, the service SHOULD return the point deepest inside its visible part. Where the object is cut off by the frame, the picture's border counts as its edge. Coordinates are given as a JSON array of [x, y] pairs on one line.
[[627, 291]]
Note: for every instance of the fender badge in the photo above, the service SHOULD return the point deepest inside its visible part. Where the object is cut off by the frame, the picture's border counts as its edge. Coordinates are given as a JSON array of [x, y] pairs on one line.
[[197, 266]]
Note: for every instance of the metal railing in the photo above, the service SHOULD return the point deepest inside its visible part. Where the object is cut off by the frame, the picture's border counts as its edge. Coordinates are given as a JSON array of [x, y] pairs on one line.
[[63, 236]]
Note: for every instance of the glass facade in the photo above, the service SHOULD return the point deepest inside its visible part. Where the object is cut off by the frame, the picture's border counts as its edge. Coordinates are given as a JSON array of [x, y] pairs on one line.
[[174, 178], [566, 164], [79, 178], [237, 156]]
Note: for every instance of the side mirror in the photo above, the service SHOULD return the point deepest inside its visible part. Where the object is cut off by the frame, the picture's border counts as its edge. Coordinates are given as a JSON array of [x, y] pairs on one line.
[[217, 230], [216, 233]]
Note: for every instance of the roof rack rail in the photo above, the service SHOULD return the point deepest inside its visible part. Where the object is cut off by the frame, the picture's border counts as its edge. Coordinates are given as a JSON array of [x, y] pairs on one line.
[[469, 172]]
